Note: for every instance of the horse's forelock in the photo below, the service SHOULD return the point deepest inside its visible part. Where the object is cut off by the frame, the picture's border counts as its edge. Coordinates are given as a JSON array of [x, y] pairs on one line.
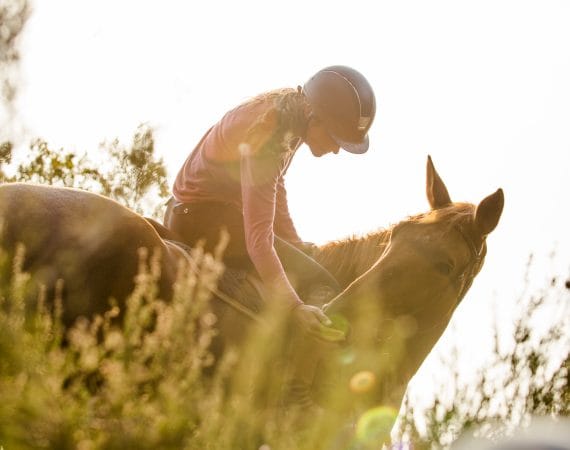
[[454, 214]]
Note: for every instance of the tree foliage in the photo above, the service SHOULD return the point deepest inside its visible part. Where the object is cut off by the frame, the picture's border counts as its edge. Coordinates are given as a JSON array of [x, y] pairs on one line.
[[132, 175], [13, 17]]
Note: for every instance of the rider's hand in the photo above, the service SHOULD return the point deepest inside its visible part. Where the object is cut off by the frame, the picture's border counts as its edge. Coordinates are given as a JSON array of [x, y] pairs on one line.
[[316, 324]]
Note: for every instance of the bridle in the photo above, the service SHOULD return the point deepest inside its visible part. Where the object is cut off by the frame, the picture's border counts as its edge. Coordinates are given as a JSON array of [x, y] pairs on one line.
[[476, 257]]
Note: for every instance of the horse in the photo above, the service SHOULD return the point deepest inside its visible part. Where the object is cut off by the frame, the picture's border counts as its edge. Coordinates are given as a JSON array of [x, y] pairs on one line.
[[400, 285]]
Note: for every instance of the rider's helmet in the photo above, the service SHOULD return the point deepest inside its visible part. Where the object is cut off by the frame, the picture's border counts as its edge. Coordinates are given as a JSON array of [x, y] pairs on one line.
[[344, 101]]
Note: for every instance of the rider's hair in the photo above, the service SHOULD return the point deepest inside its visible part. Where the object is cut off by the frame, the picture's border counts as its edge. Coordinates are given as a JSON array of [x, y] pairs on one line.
[[288, 106]]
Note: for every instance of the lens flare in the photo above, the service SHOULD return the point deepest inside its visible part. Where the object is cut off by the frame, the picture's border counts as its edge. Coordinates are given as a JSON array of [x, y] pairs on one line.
[[374, 426], [362, 382], [346, 357]]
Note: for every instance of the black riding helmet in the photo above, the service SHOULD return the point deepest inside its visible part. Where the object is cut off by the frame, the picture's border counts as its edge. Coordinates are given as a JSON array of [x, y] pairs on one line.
[[344, 101]]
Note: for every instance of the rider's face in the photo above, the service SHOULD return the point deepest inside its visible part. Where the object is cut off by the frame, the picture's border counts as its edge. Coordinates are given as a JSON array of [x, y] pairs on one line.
[[318, 139]]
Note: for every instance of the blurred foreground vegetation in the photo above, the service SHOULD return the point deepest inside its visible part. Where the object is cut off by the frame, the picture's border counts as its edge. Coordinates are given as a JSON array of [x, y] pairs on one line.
[[123, 387], [147, 381]]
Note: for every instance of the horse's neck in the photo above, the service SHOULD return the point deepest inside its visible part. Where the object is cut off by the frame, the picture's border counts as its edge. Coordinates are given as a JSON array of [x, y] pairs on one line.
[[350, 258]]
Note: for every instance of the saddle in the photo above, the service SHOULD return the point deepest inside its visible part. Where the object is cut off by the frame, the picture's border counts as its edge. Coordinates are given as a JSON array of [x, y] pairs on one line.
[[237, 287]]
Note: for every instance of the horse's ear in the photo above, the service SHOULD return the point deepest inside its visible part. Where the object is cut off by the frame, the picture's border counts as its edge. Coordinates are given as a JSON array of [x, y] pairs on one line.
[[489, 212], [436, 191]]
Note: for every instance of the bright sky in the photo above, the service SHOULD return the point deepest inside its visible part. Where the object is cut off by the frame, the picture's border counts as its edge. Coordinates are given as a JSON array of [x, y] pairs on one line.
[[483, 86]]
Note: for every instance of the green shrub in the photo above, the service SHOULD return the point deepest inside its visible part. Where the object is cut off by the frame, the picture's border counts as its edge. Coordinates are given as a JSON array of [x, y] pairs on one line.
[[132, 175]]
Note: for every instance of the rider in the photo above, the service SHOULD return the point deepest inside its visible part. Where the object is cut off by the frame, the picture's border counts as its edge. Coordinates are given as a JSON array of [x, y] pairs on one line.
[[233, 179]]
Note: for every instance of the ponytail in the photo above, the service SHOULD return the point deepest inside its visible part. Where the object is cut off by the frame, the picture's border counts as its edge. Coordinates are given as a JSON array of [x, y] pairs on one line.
[[285, 113]]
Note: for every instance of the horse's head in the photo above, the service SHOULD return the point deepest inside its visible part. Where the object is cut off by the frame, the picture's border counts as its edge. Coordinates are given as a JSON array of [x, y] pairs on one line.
[[400, 307]]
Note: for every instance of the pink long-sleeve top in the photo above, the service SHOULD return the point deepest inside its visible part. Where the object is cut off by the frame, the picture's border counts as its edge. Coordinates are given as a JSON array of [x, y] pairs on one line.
[[233, 165]]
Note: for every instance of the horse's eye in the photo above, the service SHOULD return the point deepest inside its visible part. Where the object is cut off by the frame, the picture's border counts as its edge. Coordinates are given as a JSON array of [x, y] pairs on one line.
[[445, 268]]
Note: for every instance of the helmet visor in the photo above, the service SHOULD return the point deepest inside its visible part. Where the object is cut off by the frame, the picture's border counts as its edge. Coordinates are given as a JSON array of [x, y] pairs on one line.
[[353, 147]]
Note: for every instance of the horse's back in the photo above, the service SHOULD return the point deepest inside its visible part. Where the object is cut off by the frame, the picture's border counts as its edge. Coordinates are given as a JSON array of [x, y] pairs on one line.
[[40, 216], [89, 241]]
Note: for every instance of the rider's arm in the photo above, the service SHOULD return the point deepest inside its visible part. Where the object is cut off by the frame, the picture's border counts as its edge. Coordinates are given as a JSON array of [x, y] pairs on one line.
[[283, 225], [260, 177]]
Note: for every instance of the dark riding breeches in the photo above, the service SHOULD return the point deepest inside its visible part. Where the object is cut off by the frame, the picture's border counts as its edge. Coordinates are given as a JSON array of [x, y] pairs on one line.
[[204, 221]]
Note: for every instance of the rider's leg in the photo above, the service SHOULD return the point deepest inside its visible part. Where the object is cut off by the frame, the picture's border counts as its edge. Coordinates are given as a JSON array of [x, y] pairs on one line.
[[205, 222]]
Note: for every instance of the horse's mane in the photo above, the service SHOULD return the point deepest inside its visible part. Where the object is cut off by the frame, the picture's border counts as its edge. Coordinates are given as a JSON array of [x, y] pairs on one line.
[[355, 254]]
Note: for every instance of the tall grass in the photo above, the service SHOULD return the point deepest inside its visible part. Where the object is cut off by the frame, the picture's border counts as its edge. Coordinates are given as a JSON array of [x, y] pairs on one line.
[[144, 377]]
